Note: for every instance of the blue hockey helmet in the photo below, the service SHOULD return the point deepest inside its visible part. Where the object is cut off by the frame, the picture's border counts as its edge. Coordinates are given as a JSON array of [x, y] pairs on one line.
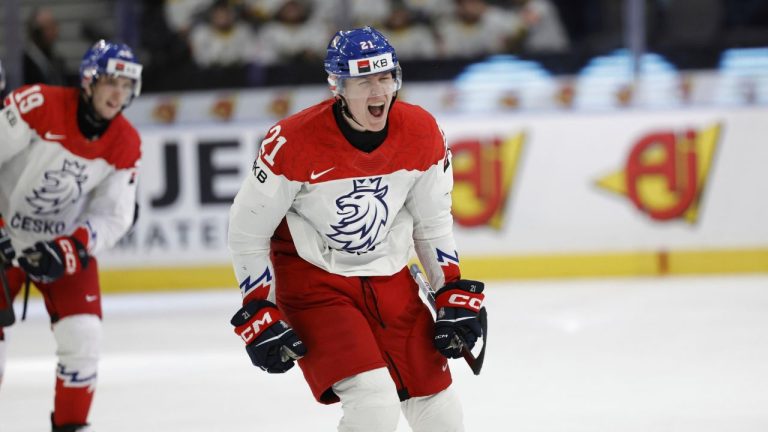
[[357, 53], [110, 58]]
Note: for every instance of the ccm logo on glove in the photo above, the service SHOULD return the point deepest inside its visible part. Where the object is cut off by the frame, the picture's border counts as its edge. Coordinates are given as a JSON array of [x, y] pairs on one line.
[[460, 298], [71, 262], [255, 325], [271, 344], [473, 303]]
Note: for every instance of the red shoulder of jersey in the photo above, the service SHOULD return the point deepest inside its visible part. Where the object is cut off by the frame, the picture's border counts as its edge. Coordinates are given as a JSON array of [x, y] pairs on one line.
[[420, 136], [309, 146], [52, 113], [121, 144], [290, 146], [40, 105]]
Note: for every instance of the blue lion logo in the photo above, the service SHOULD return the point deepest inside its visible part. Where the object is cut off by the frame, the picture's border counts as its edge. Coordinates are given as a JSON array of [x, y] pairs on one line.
[[60, 188], [363, 213]]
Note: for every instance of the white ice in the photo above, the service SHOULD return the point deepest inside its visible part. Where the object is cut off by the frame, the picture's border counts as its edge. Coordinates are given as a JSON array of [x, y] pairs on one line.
[[647, 355]]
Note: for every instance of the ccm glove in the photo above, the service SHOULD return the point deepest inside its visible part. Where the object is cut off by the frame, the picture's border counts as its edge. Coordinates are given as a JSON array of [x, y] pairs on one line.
[[270, 342], [457, 325], [7, 253], [45, 262]]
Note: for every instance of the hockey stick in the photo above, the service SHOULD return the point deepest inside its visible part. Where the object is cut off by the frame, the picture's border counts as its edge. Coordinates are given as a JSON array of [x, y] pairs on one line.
[[7, 316], [475, 363]]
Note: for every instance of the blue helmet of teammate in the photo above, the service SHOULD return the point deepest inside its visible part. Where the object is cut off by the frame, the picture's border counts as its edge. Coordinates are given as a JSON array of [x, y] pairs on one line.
[[110, 58], [359, 52]]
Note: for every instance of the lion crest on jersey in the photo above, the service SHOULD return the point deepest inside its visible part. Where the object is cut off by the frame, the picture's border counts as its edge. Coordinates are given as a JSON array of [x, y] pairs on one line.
[[363, 214], [60, 189]]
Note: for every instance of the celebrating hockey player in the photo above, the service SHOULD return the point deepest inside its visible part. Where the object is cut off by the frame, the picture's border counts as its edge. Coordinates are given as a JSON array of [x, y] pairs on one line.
[[68, 162], [321, 234]]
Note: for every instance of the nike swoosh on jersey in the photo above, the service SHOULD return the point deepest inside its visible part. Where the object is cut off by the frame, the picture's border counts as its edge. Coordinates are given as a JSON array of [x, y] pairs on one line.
[[52, 136], [315, 176]]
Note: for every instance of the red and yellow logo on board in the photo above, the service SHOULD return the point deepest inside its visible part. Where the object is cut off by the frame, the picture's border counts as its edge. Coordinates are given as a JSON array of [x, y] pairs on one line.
[[483, 174], [223, 107], [281, 104], [165, 110], [666, 172]]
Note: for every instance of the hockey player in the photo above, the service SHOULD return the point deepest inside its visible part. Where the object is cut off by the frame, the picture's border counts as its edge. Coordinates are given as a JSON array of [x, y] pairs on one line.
[[68, 162], [321, 234]]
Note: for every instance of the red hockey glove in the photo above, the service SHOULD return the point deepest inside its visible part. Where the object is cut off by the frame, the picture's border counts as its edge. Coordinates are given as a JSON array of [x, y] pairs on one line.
[[45, 262], [458, 304], [270, 342]]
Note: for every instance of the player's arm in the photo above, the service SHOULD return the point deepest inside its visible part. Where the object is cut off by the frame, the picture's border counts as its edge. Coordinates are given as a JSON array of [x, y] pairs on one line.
[[458, 301], [15, 133], [429, 201], [261, 203], [110, 211], [259, 206]]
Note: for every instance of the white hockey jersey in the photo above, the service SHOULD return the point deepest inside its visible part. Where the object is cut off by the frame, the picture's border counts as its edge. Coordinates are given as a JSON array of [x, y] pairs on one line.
[[54, 181], [346, 211]]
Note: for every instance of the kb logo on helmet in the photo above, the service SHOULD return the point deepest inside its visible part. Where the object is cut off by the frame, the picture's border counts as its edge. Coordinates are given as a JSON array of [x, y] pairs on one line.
[[379, 63]]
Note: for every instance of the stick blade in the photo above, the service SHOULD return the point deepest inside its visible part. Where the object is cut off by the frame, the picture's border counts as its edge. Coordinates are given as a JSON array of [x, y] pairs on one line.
[[476, 363]]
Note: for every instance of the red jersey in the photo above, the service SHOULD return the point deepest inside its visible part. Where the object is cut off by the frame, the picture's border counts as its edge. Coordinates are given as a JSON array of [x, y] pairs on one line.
[[346, 211], [53, 180]]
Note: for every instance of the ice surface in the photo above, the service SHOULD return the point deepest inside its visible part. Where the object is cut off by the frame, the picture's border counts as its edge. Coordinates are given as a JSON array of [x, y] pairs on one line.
[[653, 354]]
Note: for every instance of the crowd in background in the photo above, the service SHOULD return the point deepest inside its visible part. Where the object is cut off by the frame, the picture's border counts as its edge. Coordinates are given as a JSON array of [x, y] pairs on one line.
[[222, 32], [263, 36], [188, 44]]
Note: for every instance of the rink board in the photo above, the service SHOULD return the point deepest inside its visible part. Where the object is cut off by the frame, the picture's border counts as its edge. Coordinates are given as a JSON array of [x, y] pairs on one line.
[[536, 195]]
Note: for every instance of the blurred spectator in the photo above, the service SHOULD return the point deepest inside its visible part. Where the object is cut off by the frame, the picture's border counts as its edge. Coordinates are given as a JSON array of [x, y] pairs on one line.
[[181, 15], [41, 64], [167, 47], [368, 12], [544, 32], [262, 10], [476, 29], [350, 13], [223, 39], [293, 35], [428, 10], [414, 40]]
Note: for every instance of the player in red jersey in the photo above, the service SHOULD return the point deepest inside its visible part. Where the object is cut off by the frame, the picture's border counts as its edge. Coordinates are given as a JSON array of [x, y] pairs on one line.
[[340, 196], [68, 161]]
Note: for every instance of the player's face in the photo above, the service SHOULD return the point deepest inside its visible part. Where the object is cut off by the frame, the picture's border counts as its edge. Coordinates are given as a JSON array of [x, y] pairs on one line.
[[369, 98], [110, 94]]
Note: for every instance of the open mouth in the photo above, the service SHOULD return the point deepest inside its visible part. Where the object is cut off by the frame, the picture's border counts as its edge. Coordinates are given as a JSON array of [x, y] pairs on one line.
[[376, 110]]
